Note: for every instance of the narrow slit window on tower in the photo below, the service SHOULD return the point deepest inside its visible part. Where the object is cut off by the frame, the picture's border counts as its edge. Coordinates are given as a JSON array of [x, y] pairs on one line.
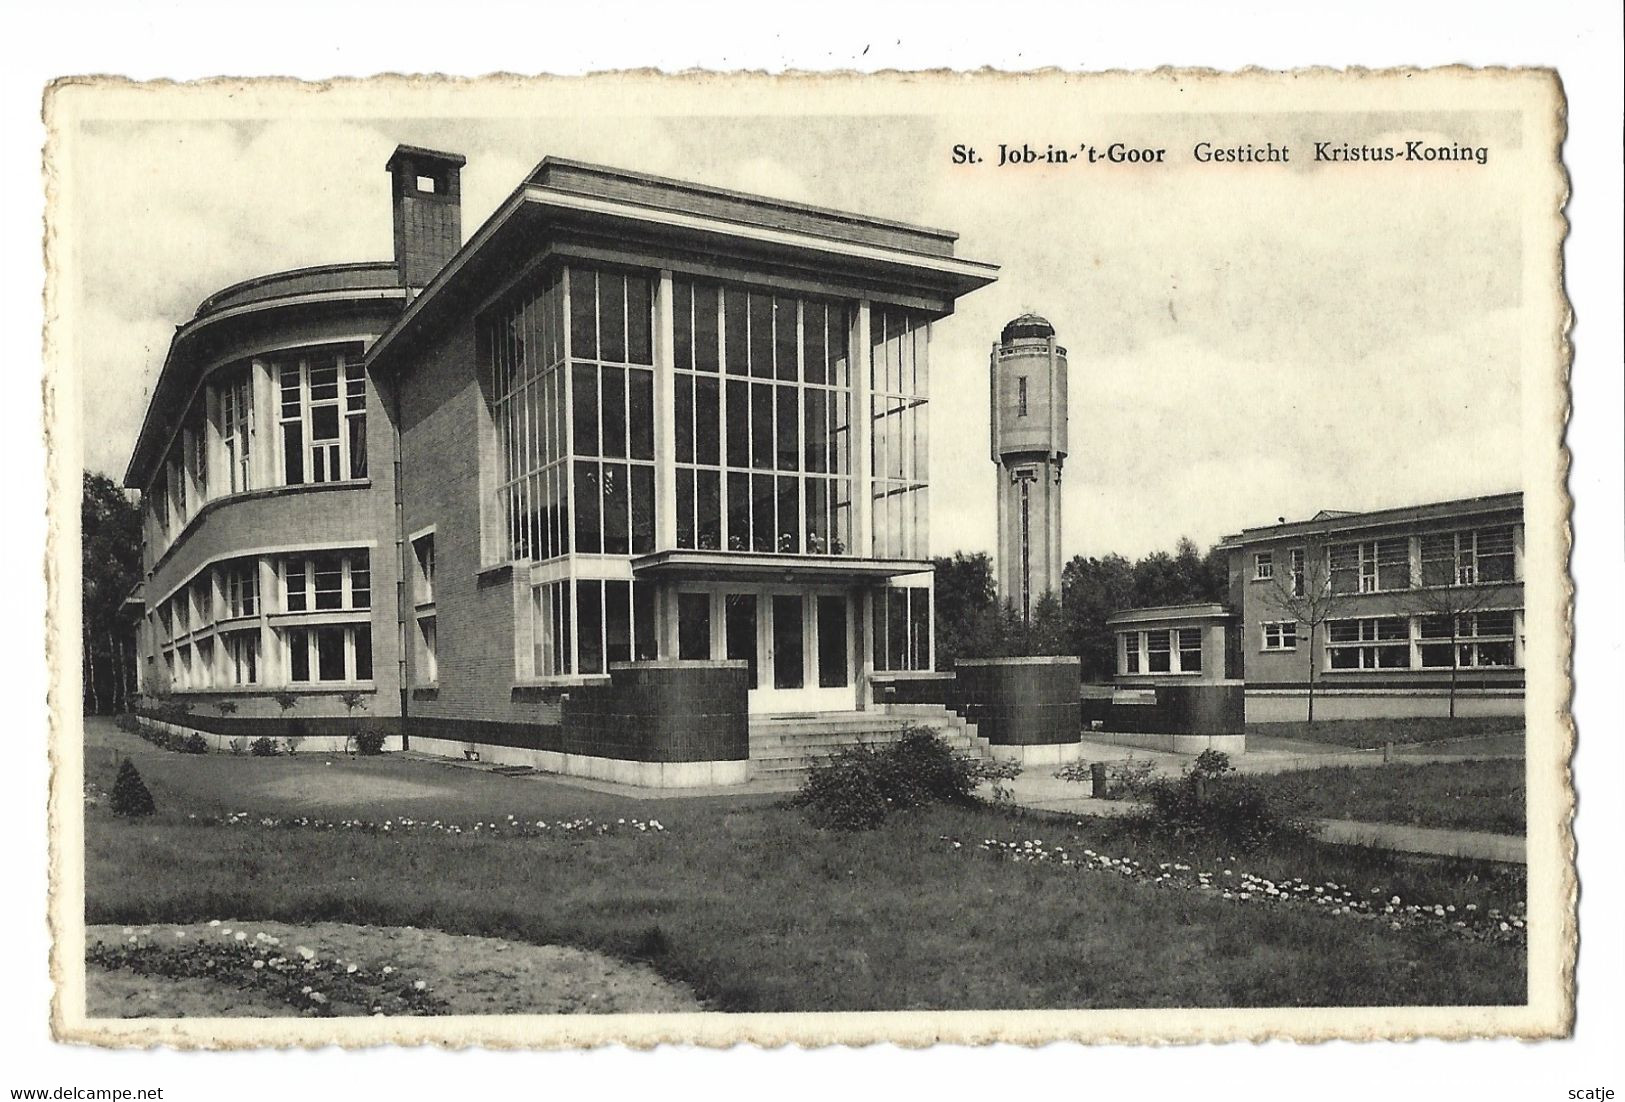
[[1021, 396]]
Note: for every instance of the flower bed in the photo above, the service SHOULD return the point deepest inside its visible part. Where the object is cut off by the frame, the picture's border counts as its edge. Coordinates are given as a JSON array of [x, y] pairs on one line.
[[314, 985], [1467, 920], [511, 826]]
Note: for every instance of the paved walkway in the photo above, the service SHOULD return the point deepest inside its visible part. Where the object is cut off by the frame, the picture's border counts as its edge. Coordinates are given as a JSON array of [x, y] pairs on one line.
[[1041, 792], [1478, 844]]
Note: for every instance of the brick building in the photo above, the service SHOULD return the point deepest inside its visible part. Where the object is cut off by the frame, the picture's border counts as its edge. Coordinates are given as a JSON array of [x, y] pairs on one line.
[[637, 450], [1407, 611]]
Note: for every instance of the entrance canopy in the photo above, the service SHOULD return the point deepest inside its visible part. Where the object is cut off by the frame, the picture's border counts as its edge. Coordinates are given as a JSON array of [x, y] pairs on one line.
[[769, 567]]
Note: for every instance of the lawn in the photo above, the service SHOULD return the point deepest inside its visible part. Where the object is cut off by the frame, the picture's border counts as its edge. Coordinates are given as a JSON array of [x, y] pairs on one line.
[[1370, 734], [756, 910], [1462, 795]]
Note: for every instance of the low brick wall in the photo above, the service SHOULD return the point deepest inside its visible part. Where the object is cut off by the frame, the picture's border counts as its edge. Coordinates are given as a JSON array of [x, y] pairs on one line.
[[1200, 710], [664, 711], [1021, 701], [663, 724]]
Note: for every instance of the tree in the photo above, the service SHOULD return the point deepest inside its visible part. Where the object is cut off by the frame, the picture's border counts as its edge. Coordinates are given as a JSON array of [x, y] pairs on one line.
[[1091, 590], [110, 562], [1301, 588], [1457, 584], [130, 796], [967, 612]]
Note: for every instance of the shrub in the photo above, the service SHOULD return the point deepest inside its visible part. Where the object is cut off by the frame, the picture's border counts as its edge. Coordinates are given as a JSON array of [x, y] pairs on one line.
[[128, 721], [291, 744], [130, 795], [227, 707], [263, 747], [856, 788], [844, 793], [237, 745], [1210, 804], [193, 743], [369, 742]]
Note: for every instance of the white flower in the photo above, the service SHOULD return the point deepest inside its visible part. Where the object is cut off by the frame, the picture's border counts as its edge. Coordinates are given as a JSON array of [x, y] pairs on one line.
[[259, 964], [419, 985], [240, 936], [214, 922]]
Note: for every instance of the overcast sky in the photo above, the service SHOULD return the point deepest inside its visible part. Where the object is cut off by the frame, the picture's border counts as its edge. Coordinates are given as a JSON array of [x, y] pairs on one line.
[[1244, 343]]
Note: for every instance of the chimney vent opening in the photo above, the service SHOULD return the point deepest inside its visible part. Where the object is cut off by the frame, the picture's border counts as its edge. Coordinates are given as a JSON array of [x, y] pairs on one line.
[[426, 185]]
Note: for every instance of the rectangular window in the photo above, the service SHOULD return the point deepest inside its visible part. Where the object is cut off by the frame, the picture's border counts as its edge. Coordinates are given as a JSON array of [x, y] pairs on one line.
[[1158, 652], [236, 431], [782, 483], [1281, 635], [326, 580], [241, 585], [902, 628], [1021, 396], [322, 414], [550, 611], [1131, 652], [1469, 557], [614, 623], [585, 389], [1190, 650], [1343, 567], [898, 366], [1368, 643], [329, 653], [1484, 640], [428, 671], [1297, 565], [423, 555], [242, 657], [1263, 566], [355, 416]]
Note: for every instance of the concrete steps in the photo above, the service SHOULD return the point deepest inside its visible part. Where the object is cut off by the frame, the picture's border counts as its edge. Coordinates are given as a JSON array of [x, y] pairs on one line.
[[784, 748]]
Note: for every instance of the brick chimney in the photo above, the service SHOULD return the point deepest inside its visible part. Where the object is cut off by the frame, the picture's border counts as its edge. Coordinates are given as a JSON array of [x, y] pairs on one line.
[[427, 196]]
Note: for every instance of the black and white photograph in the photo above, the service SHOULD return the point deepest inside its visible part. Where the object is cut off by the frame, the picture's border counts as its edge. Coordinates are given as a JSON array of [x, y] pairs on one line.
[[894, 566], [693, 572]]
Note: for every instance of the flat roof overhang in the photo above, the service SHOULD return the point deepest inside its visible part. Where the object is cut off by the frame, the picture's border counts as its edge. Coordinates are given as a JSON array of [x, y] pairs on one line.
[[535, 217], [763, 566]]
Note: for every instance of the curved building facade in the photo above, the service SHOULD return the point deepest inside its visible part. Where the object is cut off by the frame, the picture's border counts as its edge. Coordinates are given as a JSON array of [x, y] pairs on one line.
[[1027, 396], [266, 464]]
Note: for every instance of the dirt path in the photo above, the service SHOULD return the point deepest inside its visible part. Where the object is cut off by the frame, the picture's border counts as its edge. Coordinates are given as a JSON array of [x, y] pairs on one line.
[[474, 975]]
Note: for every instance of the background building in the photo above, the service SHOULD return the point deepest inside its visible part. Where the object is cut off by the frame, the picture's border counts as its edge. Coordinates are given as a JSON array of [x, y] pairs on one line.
[[1408, 611], [1027, 395]]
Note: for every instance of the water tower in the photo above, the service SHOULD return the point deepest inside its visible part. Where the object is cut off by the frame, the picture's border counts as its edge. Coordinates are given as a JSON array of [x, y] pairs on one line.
[[1028, 396]]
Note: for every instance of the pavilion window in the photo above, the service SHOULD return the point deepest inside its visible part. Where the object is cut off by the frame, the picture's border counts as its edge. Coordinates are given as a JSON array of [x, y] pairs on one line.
[[899, 377], [767, 373], [522, 343], [902, 628], [612, 410]]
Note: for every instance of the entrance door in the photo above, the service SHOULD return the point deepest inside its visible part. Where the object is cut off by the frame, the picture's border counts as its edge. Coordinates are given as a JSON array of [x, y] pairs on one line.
[[796, 641]]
